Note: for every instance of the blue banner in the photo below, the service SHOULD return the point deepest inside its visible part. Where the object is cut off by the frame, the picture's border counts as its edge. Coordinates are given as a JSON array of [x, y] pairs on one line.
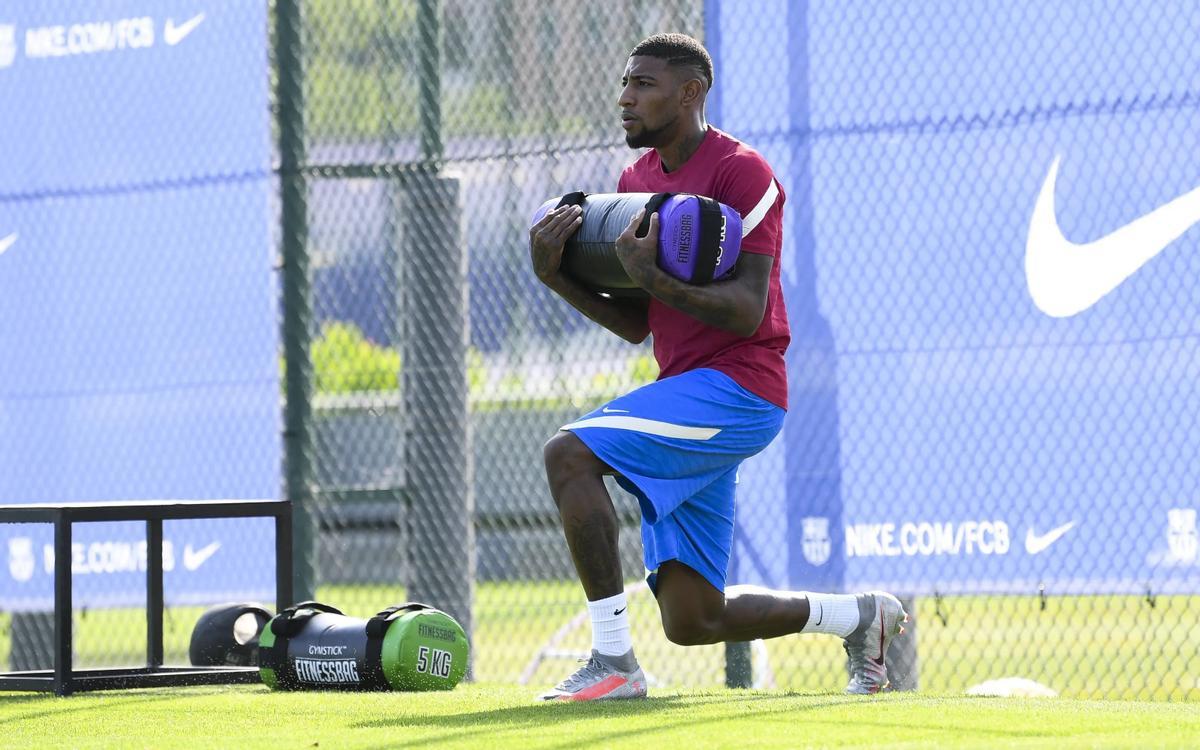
[[120, 93], [204, 561], [138, 309], [990, 268]]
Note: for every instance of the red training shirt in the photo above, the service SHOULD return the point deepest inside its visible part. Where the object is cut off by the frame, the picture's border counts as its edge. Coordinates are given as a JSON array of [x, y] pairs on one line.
[[730, 172]]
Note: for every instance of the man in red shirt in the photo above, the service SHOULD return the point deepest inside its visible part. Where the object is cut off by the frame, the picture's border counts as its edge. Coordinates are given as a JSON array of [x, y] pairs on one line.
[[721, 396]]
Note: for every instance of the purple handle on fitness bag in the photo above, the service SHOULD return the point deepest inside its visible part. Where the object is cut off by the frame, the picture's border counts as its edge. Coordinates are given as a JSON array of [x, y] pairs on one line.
[[685, 224]]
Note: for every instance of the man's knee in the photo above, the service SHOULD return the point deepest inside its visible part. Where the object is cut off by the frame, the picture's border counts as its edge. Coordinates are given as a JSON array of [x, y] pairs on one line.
[[566, 456], [692, 609], [691, 632]]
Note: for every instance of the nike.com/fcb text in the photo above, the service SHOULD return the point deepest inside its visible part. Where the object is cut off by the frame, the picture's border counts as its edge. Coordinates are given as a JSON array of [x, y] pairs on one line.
[[927, 538]]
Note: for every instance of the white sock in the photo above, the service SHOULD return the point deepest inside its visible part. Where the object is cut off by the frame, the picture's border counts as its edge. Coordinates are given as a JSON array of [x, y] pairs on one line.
[[610, 625], [836, 614]]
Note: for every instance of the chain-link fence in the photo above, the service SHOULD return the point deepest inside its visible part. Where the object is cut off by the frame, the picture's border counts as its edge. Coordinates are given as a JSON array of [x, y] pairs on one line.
[[965, 429], [887, 125], [496, 106]]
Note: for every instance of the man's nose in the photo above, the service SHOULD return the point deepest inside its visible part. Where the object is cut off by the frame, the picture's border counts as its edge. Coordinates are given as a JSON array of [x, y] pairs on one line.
[[625, 100]]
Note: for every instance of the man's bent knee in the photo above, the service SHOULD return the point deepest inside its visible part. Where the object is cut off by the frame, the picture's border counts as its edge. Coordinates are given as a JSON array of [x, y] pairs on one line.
[[566, 456], [693, 610], [691, 632]]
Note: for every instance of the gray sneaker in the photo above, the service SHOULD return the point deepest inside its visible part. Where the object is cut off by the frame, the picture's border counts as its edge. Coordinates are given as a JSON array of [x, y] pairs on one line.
[[880, 620], [602, 678]]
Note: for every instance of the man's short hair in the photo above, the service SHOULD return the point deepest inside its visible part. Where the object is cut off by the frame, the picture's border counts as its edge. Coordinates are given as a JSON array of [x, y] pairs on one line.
[[677, 49]]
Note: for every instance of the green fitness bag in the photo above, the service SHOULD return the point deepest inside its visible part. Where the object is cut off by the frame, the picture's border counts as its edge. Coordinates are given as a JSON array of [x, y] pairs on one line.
[[313, 646]]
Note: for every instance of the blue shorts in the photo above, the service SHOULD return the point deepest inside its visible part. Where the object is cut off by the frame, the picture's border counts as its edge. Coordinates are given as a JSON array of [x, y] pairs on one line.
[[676, 445]]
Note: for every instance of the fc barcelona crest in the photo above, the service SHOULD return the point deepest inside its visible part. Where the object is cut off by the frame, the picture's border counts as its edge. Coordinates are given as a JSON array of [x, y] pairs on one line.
[[816, 544], [20, 558], [1182, 534]]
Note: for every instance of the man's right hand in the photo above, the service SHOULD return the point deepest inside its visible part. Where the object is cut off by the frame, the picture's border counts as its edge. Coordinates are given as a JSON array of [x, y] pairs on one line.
[[547, 238]]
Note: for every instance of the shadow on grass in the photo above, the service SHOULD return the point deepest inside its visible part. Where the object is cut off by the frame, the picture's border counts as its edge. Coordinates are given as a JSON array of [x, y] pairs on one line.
[[671, 711], [60, 706]]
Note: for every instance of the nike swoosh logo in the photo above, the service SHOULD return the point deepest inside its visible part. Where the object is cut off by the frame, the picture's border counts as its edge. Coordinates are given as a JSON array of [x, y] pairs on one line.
[[821, 613], [619, 611], [607, 410], [1066, 278], [193, 559], [7, 242], [1035, 543], [173, 34]]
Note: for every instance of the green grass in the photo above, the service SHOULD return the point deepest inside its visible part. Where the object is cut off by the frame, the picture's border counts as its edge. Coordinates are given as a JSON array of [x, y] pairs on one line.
[[1109, 647], [503, 717], [1084, 647]]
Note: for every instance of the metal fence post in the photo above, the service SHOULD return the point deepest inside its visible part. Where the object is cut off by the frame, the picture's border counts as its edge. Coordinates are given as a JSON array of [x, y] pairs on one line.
[[438, 463], [429, 78], [297, 298], [739, 666]]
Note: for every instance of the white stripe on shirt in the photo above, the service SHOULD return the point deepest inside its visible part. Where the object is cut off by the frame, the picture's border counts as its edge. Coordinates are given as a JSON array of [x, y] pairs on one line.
[[764, 204]]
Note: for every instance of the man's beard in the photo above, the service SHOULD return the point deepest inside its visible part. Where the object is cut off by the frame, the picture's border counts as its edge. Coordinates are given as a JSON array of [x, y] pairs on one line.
[[648, 138]]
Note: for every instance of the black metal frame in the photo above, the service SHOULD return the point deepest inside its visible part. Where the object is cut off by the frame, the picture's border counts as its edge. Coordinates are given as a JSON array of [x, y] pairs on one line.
[[64, 679]]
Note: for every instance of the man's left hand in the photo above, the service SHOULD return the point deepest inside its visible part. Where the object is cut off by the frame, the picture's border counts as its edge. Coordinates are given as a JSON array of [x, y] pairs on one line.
[[639, 255]]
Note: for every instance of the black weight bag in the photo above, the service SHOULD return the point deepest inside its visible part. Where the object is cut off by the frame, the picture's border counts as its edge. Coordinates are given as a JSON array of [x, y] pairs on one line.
[[699, 239], [227, 635], [313, 646]]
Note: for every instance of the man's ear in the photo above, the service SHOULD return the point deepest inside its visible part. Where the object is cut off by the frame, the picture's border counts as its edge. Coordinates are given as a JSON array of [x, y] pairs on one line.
[[692, 92]]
